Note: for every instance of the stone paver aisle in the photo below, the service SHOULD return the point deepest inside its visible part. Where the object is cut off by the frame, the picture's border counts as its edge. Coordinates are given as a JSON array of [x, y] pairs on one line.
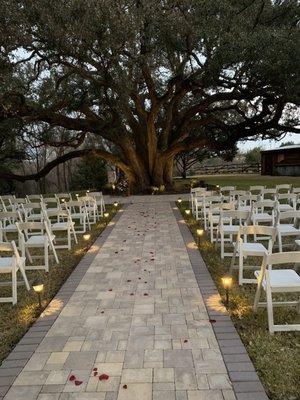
[[137, 320]]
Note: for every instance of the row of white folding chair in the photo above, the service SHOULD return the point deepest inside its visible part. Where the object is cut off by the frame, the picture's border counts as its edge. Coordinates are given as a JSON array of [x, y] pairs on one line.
[[11, 265], [275, 281]]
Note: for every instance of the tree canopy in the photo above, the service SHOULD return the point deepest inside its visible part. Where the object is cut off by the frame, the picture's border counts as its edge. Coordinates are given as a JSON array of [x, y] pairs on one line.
[[148, 78]]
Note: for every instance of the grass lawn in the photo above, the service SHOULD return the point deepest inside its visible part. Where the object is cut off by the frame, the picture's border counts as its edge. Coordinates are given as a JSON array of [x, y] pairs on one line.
[[276, 357], [240, 181], [15, 320]]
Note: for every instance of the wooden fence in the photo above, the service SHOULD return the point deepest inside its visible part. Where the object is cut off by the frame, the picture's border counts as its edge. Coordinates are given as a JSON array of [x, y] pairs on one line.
[[240, 168]]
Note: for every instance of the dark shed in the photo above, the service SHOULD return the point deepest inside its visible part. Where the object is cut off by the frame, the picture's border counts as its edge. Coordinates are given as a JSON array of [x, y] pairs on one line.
[[284, 161]]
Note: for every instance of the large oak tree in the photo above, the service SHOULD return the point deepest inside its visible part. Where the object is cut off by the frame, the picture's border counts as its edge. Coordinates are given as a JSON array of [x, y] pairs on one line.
[[148, 78]]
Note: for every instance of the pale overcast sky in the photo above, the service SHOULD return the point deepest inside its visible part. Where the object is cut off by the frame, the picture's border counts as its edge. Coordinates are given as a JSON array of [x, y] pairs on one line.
[[268, 144]]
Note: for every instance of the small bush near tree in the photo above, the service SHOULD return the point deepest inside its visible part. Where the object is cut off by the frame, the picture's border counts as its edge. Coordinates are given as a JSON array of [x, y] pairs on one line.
[[90, 172]]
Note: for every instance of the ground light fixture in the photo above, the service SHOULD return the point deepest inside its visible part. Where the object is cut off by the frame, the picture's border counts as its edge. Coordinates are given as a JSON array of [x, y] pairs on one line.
[[116, 204], [187, 213], [227, 285], [179, 200], [86, 236], [106, 215], [200, 233], [38, 287]]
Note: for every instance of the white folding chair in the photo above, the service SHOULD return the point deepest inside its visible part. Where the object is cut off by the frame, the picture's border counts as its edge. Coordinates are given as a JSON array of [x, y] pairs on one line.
[[195, 192], [50, 203], [98, 196], [245, 248], [62, 223], [78, 212], [32, 211], [229, 224], [286, 201], [225, 192], [33, 197], [245, 202], [11, 265], [91, 208], [287, 224], [214, 217], [36, 235], [8, 221], [208, 202], [274, 281], [264, 212]]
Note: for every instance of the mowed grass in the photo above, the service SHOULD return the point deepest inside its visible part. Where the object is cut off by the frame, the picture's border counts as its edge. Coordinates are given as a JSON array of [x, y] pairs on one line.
[[15, 320], [276, 357], [242, 181]]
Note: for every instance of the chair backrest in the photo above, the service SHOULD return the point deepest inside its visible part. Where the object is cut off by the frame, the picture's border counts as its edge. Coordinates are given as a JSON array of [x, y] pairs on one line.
[[284, 186], [258, 230], [235, 215], [36, 226], [256, 188], [287, 257], [33, 197], [296, 190], [262, 204], [284, 215], [227, 188], [12, 215]]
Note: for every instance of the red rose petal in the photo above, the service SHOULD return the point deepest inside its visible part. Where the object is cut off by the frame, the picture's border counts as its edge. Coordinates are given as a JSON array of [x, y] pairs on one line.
[[103, 377], [95, 373], [131, 294], [72, 378], [77, 383], [110, 290], [95, 369], [128, 280], [125, 386], [212, 321], [102, 312], [185, 341], [146, 294]]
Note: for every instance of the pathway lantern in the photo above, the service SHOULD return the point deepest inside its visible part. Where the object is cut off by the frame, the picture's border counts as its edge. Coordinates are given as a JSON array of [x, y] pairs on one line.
[[227, 285], [106, 215], [200, 233], [38, 287]]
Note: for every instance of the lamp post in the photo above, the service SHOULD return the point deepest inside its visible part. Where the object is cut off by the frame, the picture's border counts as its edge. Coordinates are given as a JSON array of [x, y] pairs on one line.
[[227, 284], [200, 233], [38, 287]]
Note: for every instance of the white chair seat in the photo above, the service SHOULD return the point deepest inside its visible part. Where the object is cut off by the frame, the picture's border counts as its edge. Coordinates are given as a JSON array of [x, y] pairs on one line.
[[285, 207], [245, 208], [288, 229], [262, 217], [280, 279], [34, 217], [6, 264], [78, 215], [9, 228], [61, 225], [230, 229], [254, 248], [37, 240]]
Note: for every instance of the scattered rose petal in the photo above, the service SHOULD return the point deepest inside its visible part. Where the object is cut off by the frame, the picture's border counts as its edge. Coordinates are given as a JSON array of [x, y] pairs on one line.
[[95, 369], [72, 378], [185, 341], [125, 386], [131, 294], [145, 282], [145, 294], [128, 280], [212, 321], [110, 290], [102, 312], [77, 383], [103, 377], [95, 373]]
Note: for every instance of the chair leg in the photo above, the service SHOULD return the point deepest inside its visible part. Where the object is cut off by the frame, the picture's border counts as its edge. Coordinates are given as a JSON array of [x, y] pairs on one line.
[[69, 238], [222, 245], [14, 285], [46, 255], [270, 311], [280, 243], [24, 277], [241, 268], [257, 297]]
